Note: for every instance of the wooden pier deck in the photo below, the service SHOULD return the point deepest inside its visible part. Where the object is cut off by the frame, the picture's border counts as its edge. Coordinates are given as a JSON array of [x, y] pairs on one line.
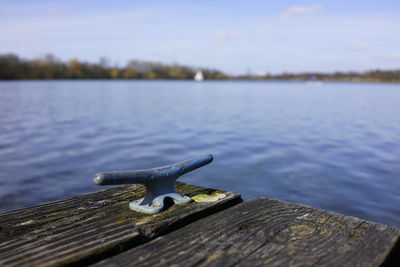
[[216, 230]]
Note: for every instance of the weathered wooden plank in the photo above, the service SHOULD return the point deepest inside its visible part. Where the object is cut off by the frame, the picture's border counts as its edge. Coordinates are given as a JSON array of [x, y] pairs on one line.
[[89, 227], [267, 232]]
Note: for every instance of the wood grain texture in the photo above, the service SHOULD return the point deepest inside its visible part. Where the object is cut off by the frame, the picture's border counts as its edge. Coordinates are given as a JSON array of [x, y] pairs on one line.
[[86, 228], [267, 232]]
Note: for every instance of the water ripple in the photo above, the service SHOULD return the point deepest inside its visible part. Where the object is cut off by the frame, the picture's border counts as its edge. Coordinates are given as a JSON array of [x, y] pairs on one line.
[[333, 147]]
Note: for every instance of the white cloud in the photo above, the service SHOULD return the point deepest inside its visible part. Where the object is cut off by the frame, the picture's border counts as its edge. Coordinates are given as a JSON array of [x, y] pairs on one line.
[[300, 10], [23, 43], [224, 36], [89, 25], [55, 12], [358, 47], [389, 57]]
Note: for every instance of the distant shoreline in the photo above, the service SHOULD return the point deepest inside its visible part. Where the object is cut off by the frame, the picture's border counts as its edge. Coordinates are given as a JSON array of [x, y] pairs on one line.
[[191, 80], [13, 67]]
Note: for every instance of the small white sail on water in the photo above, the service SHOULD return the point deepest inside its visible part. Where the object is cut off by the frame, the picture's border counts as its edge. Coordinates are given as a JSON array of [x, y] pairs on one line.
[[199, 76]]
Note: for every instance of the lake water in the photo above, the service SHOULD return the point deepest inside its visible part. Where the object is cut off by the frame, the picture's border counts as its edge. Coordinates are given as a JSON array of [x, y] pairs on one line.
[[335, 146]]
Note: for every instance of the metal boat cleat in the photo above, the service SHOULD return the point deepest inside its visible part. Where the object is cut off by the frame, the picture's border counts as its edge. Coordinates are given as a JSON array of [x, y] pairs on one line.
[[159, 183]]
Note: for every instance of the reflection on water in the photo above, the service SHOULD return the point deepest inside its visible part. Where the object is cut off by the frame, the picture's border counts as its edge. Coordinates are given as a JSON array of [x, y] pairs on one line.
[[334, 146]]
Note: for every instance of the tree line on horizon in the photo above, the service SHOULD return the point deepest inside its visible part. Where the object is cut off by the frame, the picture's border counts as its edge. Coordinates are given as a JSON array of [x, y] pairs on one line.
[[12, 67], [368, 76]]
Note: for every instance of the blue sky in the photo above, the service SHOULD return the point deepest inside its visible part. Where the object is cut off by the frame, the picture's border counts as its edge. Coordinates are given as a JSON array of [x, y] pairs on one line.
[[233, 36]]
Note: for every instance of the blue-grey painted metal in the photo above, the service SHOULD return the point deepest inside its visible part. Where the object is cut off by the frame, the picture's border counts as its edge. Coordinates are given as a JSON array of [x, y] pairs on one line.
[[159, 183]]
